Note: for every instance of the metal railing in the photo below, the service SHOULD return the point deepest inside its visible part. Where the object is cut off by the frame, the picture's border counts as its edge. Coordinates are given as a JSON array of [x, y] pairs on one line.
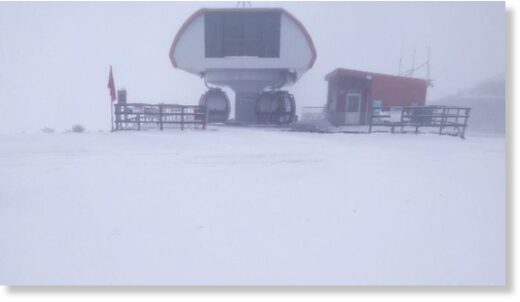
[[450, 120], [139, 116], [314, 113]]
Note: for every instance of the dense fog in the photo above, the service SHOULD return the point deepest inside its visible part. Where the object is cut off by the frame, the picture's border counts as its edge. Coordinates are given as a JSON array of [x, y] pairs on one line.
[[55, 57]]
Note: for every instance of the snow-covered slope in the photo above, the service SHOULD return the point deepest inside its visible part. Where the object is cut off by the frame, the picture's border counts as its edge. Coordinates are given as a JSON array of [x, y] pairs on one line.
[[251, 206]]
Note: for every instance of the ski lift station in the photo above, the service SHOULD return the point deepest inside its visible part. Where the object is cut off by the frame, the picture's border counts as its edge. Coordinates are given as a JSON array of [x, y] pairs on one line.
[[352, 94], [254, 51]]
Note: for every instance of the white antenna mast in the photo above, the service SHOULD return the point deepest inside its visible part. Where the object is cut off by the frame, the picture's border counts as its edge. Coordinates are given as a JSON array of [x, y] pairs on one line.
[[400, 60], [413, 62], [243, 4], [428, 65]]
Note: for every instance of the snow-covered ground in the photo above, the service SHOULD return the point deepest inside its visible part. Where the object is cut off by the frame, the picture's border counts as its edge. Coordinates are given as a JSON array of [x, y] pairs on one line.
[[251, 206]]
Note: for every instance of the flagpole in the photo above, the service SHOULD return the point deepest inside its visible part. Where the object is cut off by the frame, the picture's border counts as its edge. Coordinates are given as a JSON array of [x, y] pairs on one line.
[[111, 116], [113, 97]]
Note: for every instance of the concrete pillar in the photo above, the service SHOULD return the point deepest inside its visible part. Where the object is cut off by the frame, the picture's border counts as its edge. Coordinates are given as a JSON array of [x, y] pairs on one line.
[[245, 107]]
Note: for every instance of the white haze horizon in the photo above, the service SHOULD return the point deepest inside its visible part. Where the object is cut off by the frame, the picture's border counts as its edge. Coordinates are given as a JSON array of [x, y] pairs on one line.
[[55, 57]]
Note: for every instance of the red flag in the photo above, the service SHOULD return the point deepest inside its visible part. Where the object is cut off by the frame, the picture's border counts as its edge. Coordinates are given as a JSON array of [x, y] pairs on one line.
[[111, 85]]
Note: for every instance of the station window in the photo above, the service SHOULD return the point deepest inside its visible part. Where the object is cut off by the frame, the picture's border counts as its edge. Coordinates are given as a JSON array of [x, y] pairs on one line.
[[254, 34]]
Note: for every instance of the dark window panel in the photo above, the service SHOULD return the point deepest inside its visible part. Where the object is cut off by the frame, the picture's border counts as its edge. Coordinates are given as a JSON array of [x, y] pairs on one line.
[[213, 35], [242, 34]]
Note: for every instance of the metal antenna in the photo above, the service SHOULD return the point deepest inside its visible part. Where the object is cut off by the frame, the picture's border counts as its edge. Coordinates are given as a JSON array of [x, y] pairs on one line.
[[400, 60], [413, 62], [243, 4], [428, 65]]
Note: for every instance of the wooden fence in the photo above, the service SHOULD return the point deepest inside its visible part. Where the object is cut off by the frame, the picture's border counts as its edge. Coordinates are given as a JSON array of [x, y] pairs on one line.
[[449, 120], [137, 116]]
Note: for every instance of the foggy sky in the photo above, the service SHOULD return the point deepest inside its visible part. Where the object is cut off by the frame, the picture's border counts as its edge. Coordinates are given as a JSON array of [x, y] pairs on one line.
[[55, 57]]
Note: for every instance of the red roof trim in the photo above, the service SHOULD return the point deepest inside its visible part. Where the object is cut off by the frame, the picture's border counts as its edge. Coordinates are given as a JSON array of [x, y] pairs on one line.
[[359, 73], [204, 10]]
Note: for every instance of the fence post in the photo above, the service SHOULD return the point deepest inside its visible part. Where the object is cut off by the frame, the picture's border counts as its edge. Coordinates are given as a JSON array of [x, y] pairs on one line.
[[205, 117], [160, 117], [139, 121], [466, 116], [370, 121], [457, 117], [182, 117], [443, 120], [403, 110], [116, 110]]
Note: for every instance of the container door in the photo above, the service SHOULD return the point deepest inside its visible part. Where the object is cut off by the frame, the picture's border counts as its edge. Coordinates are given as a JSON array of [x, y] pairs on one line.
[[353, 110]]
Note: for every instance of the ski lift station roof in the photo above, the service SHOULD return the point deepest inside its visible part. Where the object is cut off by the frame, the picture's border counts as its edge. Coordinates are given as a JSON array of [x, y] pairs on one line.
[[243, 38]]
